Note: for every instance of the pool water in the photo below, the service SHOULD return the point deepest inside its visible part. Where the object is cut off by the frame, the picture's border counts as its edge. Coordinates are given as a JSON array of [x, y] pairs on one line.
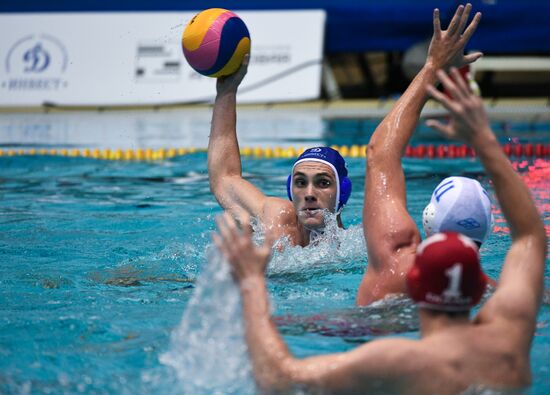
[[109, 283]]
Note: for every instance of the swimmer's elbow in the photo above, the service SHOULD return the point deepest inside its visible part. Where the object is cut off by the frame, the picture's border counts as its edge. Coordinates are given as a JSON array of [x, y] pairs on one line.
[[288, 375], [535, 242], [531, 232], [218, 193], [372, 151], [274, 379], [379, 156], [268, 387], [215, 181], [221, 187]]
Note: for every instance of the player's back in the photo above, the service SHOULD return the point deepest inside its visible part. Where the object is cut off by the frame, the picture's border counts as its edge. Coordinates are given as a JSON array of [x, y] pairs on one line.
[[469, 357]]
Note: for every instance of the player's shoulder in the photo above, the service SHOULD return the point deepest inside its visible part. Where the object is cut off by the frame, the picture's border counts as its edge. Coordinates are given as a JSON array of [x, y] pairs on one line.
[[279, 210]]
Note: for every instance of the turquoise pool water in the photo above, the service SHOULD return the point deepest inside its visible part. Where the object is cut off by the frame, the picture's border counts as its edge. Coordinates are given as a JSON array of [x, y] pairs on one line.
[[108, 283]]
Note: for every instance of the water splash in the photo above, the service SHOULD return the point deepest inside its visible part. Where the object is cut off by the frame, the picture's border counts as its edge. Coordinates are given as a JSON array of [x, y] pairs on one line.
[[333, 249], [208, 349]]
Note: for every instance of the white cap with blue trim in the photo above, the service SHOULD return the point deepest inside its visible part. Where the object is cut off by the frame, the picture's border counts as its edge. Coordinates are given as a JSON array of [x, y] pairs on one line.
[[459, 204]]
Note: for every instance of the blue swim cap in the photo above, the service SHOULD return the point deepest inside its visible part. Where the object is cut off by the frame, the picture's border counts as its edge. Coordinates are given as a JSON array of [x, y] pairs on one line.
[[333, 159]]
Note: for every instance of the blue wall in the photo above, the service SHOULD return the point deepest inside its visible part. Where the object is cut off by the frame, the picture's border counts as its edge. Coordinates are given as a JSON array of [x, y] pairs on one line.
[[508, 26]]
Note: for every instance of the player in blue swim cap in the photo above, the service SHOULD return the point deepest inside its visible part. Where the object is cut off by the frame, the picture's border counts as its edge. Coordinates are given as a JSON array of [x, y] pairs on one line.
[[337, 164], [318, 183]]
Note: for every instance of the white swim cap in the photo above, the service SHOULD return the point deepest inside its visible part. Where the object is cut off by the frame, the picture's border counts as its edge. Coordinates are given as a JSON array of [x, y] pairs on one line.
[[459, 204]]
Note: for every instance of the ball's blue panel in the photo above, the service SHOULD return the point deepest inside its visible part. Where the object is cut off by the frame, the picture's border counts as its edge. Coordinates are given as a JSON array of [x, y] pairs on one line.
[[233, 31]]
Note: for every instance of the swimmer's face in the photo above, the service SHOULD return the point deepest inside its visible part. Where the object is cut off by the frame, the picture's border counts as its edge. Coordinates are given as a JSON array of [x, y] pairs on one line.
[[313, 191]]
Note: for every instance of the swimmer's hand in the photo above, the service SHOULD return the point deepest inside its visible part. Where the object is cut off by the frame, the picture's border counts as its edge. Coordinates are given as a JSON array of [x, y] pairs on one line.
[[447, 46], [246, 259], [469, 121], [230, 83]]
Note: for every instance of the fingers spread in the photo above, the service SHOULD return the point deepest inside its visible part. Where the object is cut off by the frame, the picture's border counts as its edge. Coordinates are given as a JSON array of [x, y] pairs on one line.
[[471, 58], [441, 98], [471, 28], [453, 26], [265, 251], [227, 228], [450, 85], [437, 23], [218, 242], [439, 126], [246, 227], [464, 18], [232, 226], [463, 88]]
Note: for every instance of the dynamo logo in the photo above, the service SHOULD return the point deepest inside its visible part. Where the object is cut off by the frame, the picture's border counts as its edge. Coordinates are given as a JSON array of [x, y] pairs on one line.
[[37, 59], [36, 62]]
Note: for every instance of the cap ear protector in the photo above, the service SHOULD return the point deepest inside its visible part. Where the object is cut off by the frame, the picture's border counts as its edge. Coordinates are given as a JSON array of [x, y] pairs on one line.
[[345, 190], [428, 220], [288, 187]]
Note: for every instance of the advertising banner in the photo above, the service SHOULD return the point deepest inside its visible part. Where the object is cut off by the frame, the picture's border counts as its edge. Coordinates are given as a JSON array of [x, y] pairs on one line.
[[103, 59]]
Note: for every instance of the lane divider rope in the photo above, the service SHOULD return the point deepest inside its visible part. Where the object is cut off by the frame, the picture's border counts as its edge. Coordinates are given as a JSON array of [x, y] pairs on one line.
[[430, 151]]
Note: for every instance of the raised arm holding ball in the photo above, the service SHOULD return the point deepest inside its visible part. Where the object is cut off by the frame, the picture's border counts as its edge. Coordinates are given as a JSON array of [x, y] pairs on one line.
[[318, 185]]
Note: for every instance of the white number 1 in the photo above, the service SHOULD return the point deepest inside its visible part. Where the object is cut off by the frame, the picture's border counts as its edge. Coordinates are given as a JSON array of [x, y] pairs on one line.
[[454, 274]]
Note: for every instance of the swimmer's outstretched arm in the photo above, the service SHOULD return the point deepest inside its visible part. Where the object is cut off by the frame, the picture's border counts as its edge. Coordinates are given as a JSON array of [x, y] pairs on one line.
[[233, 192], [381, 364], [224, 160], [390, 232], [517, 298]]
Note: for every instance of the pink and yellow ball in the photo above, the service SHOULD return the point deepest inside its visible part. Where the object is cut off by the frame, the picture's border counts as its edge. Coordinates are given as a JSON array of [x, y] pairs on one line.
[[215, 42]]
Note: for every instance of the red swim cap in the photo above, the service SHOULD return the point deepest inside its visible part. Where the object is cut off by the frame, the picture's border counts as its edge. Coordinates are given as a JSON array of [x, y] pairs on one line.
[[446, 274]]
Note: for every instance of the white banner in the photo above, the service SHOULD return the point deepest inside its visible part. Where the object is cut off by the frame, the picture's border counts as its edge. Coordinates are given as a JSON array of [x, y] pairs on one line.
[[102, 59]]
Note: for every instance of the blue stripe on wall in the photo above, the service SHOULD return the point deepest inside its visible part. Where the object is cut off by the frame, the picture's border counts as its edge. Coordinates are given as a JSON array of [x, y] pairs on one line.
[[507, 26]]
